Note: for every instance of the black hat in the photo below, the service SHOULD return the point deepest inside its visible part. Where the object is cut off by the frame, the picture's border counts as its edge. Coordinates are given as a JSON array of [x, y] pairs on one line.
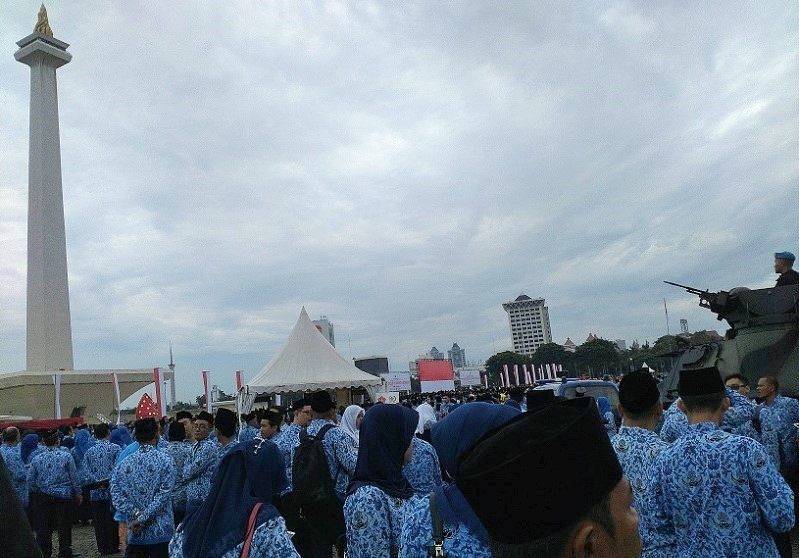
[[50, 437], [700, 381], [299, 404], [566, 439], [539, 398], [321, 402], [206, 416], [638, 392], [180, 415], [225, 420], [516, 391]]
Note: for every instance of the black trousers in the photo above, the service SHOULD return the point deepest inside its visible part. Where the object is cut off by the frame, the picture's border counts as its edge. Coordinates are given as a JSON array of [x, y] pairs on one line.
[[106, 532], [325, 528], [53, 514], [296, 523], [160, 550]]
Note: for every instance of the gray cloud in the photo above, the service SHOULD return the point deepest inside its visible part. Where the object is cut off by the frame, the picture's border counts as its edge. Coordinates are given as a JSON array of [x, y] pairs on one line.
[[403, 169]]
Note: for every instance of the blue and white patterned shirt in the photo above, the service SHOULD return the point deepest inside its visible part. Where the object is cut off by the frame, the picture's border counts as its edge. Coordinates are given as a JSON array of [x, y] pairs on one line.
[[141, 488], [98, 464], [778, 433], [52, 472], [423, 470], [737, 419], [637, 449], [417, 535], [200, 468], [715, 494], [287, 442], [180, 452], [16, 470], [341, 454], [374, 522], [270, 540], [247, 433]]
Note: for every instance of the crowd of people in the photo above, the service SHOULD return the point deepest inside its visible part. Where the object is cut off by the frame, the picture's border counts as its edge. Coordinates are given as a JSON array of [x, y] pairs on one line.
[[485, 474]]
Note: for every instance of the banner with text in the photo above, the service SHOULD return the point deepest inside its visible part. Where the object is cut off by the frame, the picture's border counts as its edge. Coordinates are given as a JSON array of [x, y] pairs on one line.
[[470, 377], [397, 381]]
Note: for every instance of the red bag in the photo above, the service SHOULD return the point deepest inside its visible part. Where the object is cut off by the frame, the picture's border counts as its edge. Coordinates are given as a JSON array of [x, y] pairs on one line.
[[245, 551]]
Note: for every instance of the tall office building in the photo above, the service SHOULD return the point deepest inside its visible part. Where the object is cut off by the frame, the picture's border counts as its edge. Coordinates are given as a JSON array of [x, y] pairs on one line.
[[325, 327], [435, 354], [457, 356], [529, 323]]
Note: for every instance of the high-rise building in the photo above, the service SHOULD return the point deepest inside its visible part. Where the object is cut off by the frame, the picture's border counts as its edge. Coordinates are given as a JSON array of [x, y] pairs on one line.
[[457, 356], [325, 327], [375, 365], [435, 354], [529, 323]]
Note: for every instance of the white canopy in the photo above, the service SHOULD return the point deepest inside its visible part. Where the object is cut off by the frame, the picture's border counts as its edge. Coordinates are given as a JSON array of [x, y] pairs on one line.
[[306, 362]]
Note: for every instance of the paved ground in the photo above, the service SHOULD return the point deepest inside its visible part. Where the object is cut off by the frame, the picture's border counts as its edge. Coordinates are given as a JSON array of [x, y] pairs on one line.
[[83, 542]]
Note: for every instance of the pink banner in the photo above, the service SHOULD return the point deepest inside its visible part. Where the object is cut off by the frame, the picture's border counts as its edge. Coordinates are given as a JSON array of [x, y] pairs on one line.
[[207, 393], [516, 373], [160, 401], [238, 381]]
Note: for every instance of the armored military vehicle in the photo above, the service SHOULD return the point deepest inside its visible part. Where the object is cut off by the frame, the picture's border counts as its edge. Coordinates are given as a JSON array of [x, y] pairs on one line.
[[763, 337]]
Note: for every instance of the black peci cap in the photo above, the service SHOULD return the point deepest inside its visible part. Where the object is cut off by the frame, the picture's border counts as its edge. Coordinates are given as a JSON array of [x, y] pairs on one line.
[[638, 392], [498, 474], [321, 402], [539, 398], [700, 381]]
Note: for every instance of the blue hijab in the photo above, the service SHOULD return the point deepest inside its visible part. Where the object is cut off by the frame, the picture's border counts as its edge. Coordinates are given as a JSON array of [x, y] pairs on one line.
[[249, 473], [83, 441], [29, 443], [386, 432], [452, 436]]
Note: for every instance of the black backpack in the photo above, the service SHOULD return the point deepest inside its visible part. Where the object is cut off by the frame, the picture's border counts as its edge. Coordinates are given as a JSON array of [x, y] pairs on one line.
[[310, 475]]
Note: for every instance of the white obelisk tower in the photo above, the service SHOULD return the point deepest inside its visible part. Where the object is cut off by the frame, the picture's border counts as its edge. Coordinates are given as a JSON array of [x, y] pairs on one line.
[[49, 340]]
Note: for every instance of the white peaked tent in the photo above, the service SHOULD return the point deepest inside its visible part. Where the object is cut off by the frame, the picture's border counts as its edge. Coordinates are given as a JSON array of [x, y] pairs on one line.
[[307, 361]]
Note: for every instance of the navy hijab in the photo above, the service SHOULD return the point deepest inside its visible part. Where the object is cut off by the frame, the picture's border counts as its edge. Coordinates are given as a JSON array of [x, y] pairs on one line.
[[251, 472], [29, 443], [386, 432], [452, 436]]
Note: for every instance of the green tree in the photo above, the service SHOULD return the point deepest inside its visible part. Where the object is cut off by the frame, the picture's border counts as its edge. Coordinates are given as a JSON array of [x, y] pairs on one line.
[[552, 353], [597, 357], [495, 363]]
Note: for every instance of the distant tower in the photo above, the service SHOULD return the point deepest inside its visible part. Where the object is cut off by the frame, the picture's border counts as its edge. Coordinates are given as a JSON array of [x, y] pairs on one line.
[[172, 381], [684, 325], [325, 327], [49, 330], [529, 323], [457, 356]]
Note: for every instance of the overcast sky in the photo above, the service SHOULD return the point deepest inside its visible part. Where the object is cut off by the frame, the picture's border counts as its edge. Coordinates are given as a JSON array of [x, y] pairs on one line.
[[403, 168]]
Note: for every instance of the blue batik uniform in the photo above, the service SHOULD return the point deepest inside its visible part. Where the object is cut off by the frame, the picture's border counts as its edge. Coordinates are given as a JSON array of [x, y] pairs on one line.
[[374, 518], [247, 433], [141, 488], [340, 452], [199, 471], [423, 470], [53, 473], [715, 494], [98, 464], [223, 450], [737, 419], [270, 540], [16, 471], [778, 433], [289, 440], [180, 452], [637, 449], [460, 540]]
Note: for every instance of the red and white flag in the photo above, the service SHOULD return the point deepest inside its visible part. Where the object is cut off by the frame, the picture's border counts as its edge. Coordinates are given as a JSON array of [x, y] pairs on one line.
[[526, 374], [238, 381], [206, 373], [516, 373], [549, 372]]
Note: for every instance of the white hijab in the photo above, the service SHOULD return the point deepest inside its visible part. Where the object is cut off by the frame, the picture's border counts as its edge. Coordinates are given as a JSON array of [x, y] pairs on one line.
[[348, 422], [427, 417]]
